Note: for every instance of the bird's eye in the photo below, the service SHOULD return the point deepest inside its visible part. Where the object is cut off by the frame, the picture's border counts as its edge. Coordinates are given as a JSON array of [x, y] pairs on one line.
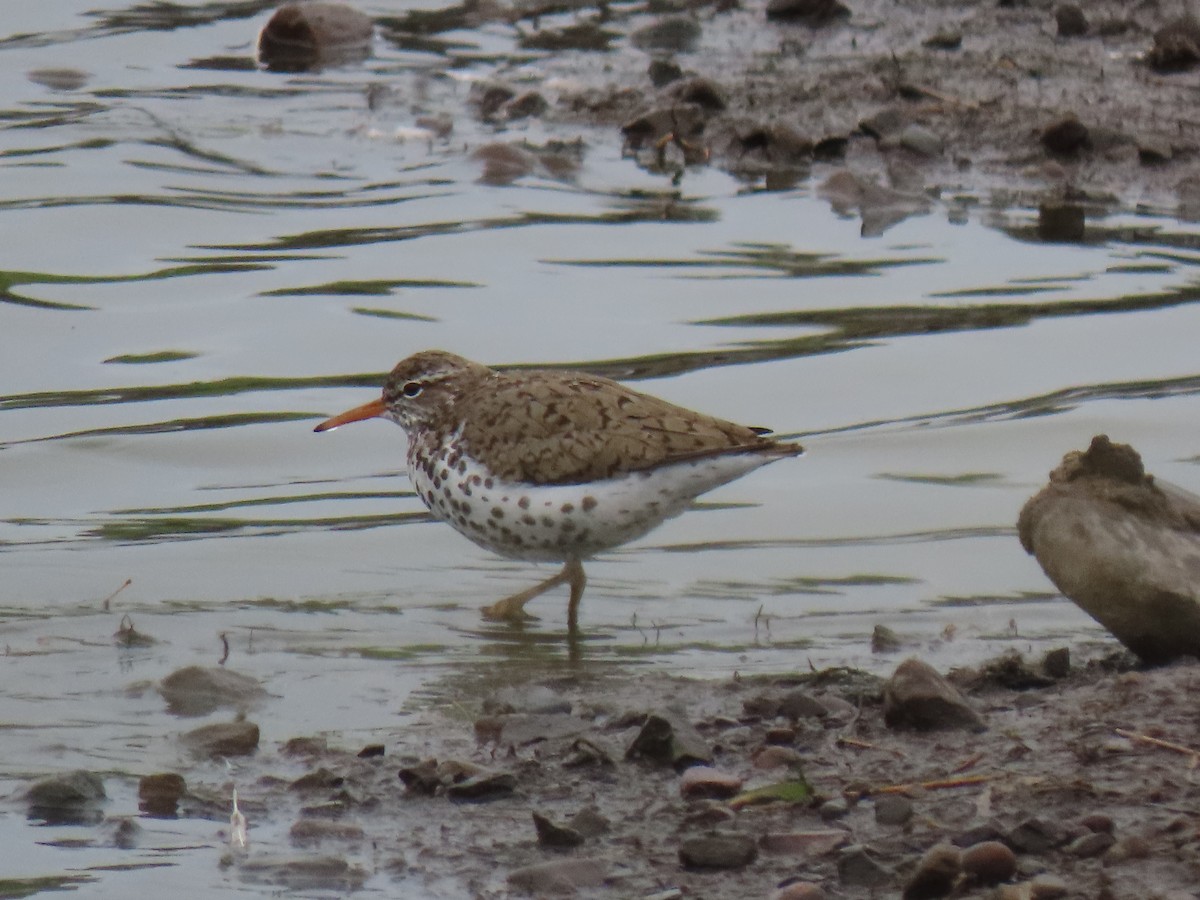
[[412, 389]]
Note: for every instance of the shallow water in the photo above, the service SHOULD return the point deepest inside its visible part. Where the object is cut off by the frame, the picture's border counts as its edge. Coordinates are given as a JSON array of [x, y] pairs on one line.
[[201, 260]]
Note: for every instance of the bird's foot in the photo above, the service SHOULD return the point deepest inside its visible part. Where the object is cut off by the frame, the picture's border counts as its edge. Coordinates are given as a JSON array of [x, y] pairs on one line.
[[510, 609]]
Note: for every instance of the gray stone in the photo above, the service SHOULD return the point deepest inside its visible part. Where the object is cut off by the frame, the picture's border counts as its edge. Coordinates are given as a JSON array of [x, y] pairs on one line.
[[917, 697], [1035, 836], [70, 797], [1070, 20], [222, 739], [921, 141], [935, 874], [669, 739], [551, 834], [989, 862], [857, 868], [200, 690], [834, 809], [1089, 845], [482, 787], [892, 809], [718, 851]]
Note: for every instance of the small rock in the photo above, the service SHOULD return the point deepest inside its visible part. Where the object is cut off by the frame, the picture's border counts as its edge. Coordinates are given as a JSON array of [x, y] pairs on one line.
[[525, 106], [159, 795], [797, 705], [813, 13], [124, 833], [935, 873], [317, 780], [774, 757], [1047, 887], [1098, 822], [1127, 848], [668, 738], [587, 36], [921, 141], [589, 823], [550, 834], [977, 834], [708, 814], [559, 876], [946, 39], [718, 851], [677, 34], [1070, 20], [917, 697], [371, 751], [1092, 844], [313, 831], [423, 778], [222, 739], [805, 844], [483, 787], [663, 71], [834, 809], [200, 690], [1059, 221], [885, 640], [705, 782], [1066, 137], [1153, 150], [857, 868], [305, 746], [782, 737], [1056, 663], [800, 890], [1176, 45], [892, 809], [303, 36], [702, 92], [1035, 836], [73, 797], [989, 862], [886, 123]]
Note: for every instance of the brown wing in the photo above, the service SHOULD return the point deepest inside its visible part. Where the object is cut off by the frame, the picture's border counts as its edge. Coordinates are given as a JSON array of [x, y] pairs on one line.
[[561, 428]]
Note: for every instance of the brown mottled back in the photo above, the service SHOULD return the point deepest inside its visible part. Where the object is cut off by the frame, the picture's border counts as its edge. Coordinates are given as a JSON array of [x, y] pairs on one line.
[[549, 427]]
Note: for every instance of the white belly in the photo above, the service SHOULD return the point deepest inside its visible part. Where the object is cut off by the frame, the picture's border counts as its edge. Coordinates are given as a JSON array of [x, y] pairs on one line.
[[556, 523]]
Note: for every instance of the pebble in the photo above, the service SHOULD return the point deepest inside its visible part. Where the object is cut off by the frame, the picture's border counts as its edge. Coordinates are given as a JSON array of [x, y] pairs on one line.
[[813, 13], [857, 868], [200, 690], [921, 141], [705, 782], [935, 873], [317, 780], [313, 831], [222, 739], [1092, 844], [663, 71], [947, 39], [807, 844], [1056, 663], [1047, 887], [1130, 847], [1154, 150], [677, 34], [72, 790], [589, 823], [667, 738], [1070, 20], [885, 640], [1098, 822], [1034, 836], [1176, 45], [559, 876], [892, 809], [718, 851], [917, 697], [989, 862], [800, 890], [159, 795], [550, 834], [482, 787], [774, 757], [834, 809], [802, 705], [1065, 137]]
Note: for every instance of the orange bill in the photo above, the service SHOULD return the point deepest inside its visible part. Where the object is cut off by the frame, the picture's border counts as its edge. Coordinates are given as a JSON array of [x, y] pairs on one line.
[[366, 411]]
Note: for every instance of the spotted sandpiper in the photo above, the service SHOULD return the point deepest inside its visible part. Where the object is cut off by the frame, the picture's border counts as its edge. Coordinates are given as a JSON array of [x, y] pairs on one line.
[[553, 466]]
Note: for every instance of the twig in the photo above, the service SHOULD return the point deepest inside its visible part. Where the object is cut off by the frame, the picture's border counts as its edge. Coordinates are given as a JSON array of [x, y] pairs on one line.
[[225, 644], [867, 745], [968, 763], [109, 599], [936, 785], [1158, 742]]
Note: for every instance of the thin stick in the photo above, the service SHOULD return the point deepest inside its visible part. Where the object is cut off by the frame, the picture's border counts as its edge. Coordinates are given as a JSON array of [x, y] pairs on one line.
[[936, 785], [1157, 742], [109, 599]]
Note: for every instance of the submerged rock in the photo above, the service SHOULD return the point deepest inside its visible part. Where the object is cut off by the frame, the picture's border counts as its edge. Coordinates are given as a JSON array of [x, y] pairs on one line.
[[200, 690], [71, 798], [159, 795], [718, 851], [1124, 548], [304, 36], [223, 739]]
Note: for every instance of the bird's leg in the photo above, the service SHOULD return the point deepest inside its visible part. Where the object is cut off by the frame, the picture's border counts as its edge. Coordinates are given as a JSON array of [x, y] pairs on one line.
[[578, 581], [513, 608]]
